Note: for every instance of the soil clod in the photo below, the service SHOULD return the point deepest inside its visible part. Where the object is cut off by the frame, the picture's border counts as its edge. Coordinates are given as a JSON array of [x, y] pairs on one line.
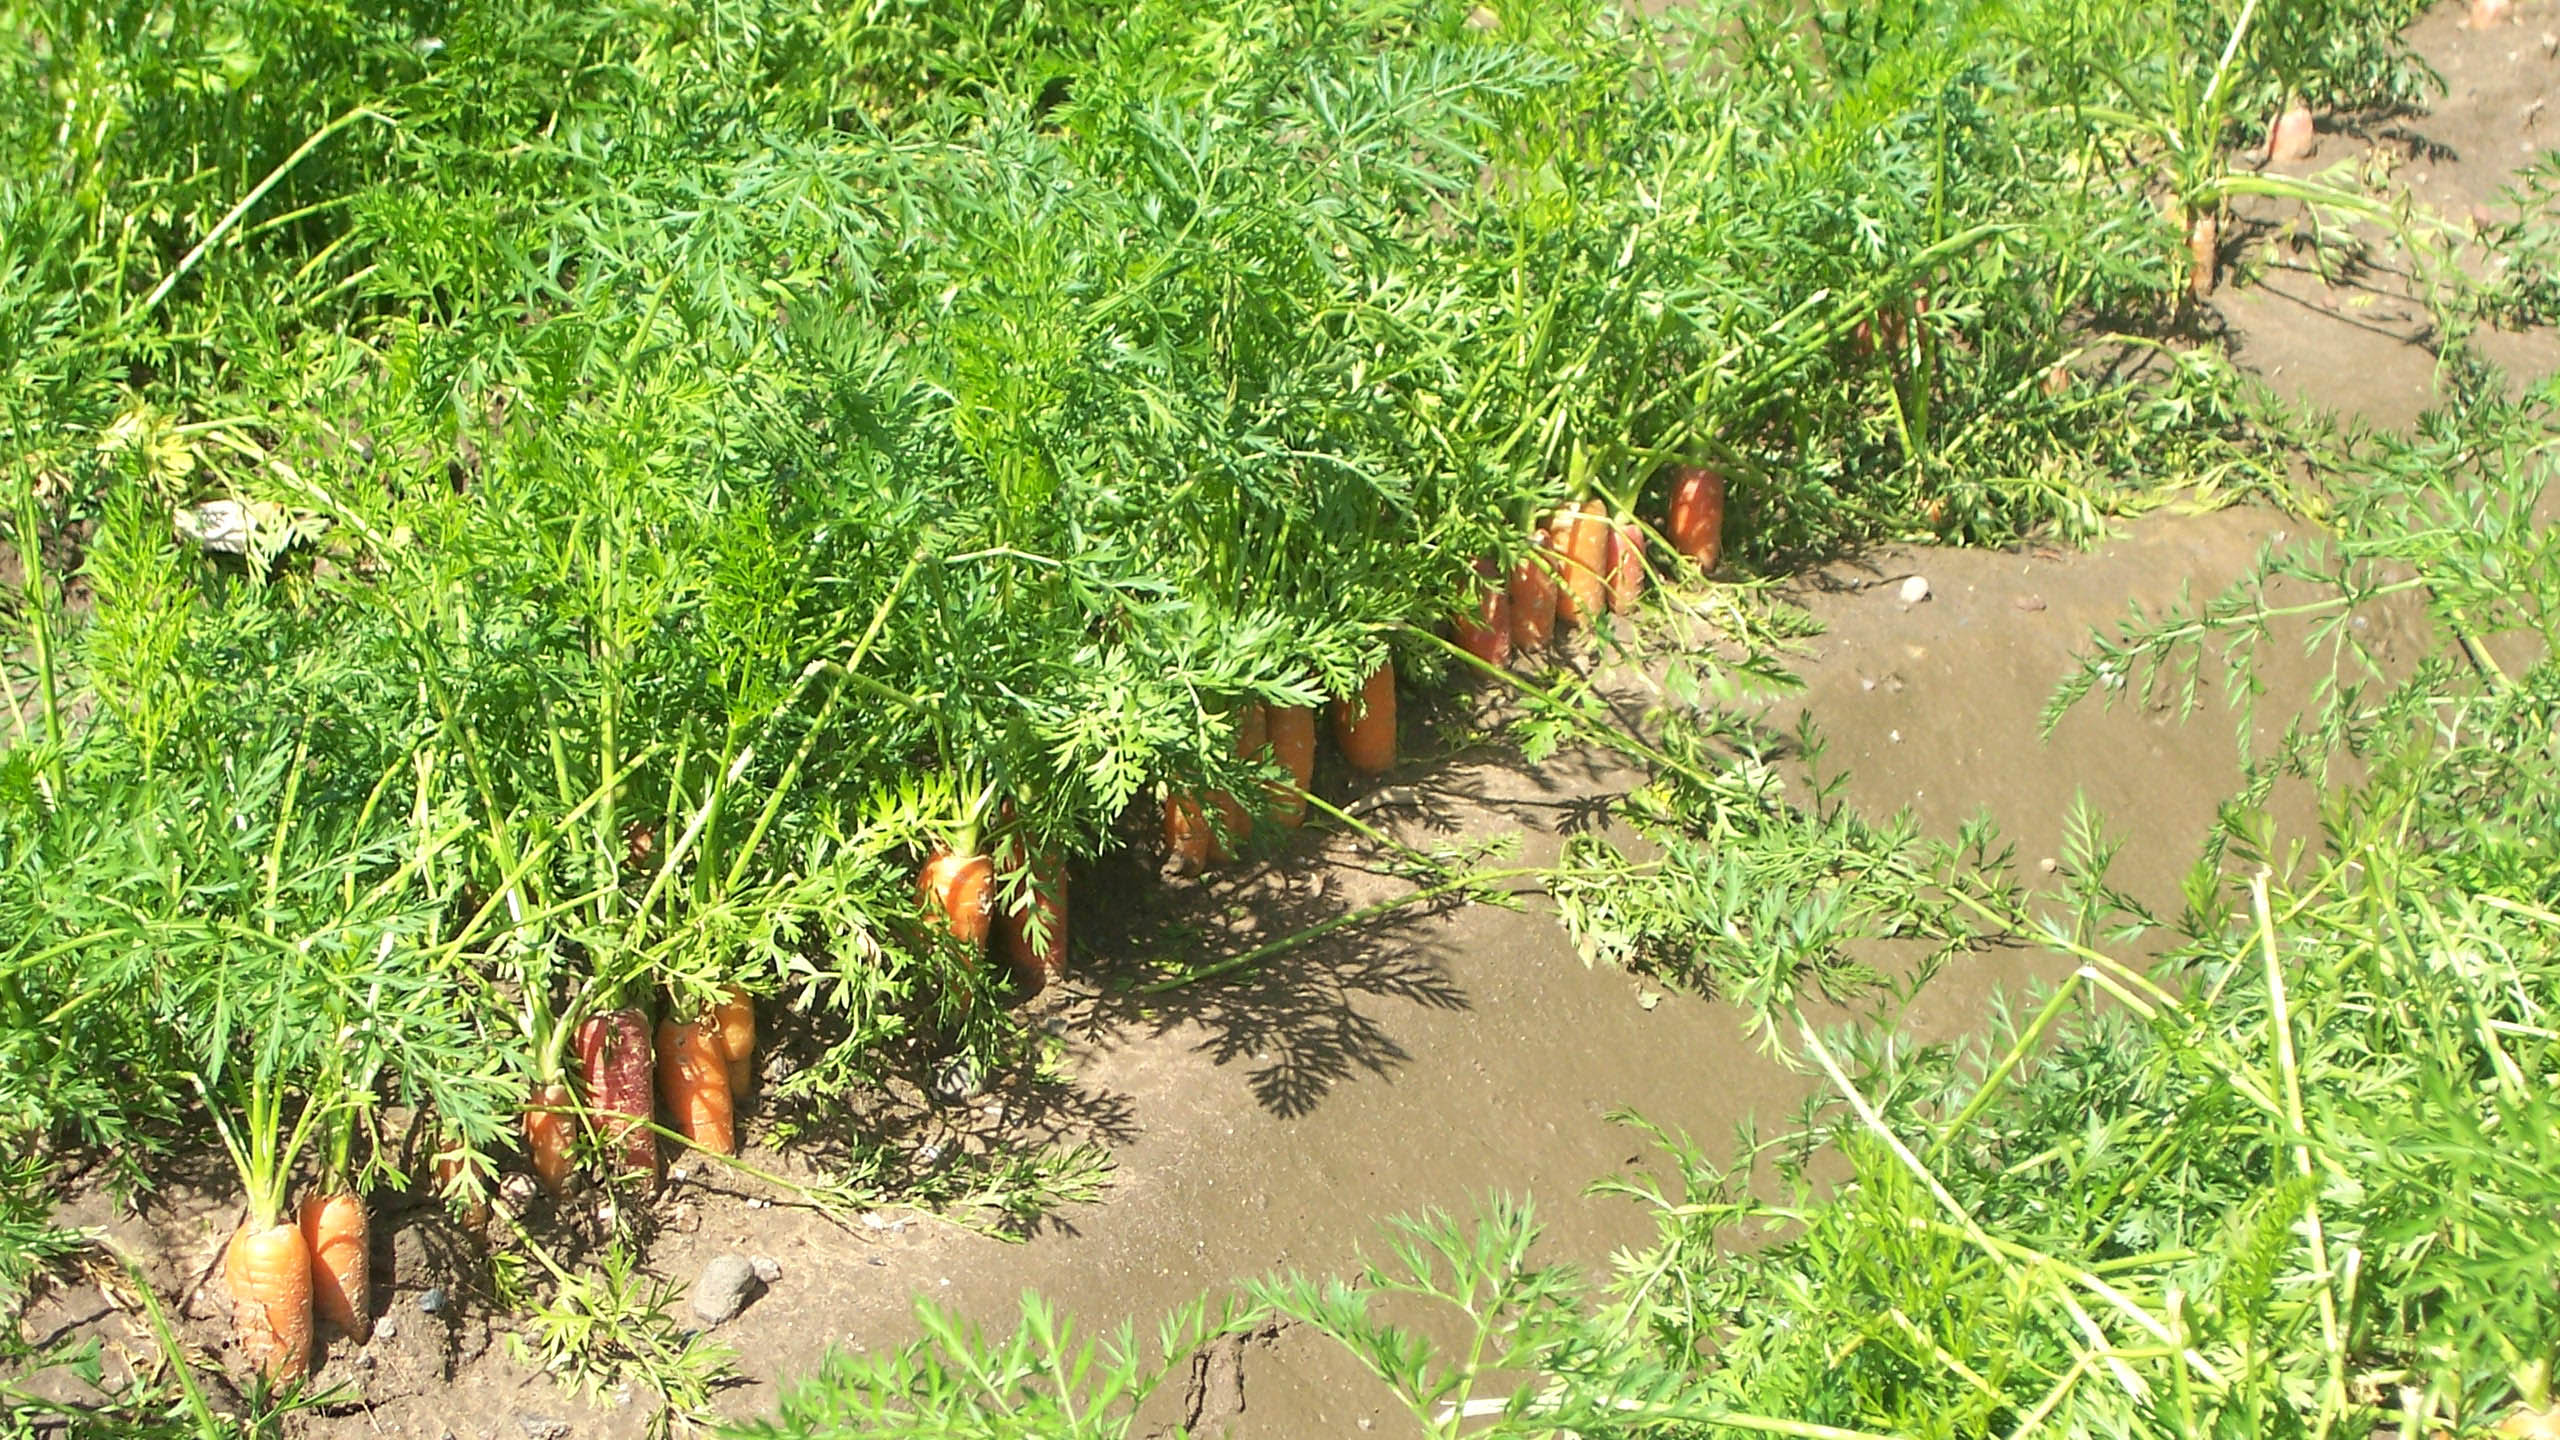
[[728, 1282]]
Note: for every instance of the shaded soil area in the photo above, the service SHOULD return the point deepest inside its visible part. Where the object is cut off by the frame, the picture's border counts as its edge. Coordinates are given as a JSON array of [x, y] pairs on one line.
[[1269, 1120]]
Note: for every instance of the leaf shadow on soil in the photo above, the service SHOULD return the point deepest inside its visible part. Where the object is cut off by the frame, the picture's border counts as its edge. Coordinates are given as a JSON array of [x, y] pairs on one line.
[[1320, 1014], [1307, 1019]]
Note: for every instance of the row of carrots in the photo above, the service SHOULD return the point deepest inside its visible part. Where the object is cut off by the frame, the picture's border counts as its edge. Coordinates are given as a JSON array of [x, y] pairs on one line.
[[282, 1275], [1582, 564]]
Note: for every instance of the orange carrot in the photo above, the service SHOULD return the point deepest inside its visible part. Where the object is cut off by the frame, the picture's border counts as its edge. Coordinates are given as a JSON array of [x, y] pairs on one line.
[[1487, 634], [614, 1049], [267, 1269], [958, 888], [1626, 565], [734, 1021], [1532, 588], [1035, 938], [1233, 824], [1186, 833], [2293, 136], [336, 1232], [1696, 521], [1253, 735], [1582, 534], [548, 1125], [1253, 729], [1292, 730], [1364, 725], [693, 1081], [450, 1163]]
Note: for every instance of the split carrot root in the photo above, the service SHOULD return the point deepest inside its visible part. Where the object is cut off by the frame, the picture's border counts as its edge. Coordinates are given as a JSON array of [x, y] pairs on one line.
[[338, 1233], [268, 1272]]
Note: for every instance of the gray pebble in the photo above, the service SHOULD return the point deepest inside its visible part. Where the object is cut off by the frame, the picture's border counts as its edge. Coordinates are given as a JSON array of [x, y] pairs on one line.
[[541, 1427], [727, 1284], [766, 1267], [433, 1301]]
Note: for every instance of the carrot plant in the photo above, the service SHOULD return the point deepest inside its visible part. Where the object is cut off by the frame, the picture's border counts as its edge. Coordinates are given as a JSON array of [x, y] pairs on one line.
[[2291, 1178], [522, 513]]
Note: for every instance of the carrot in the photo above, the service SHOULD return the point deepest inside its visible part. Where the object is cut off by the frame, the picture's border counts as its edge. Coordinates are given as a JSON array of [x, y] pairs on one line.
[[1583, 535], [336, 1232], [639, 842], [2204, 248], [1035, 937], [614, 1049], [267, 1269], [2293, 136], [734, 1021], [1532, 590], [547, 1127], [958, 887], [1253, 729], [1253, 735], [450, 1163], [1626, 565], [693, 1083], [1487, 634], [1292, 731], [1232, 826], [1365, 725], [1187, 838], [1695, 524]]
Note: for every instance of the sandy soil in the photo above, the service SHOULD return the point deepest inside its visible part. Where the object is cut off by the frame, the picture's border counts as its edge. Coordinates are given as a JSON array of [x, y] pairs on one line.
[[1434, 1059]]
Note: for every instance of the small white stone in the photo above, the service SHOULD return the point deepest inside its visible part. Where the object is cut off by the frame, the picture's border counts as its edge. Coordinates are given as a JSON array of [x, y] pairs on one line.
[[1915, 589]]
